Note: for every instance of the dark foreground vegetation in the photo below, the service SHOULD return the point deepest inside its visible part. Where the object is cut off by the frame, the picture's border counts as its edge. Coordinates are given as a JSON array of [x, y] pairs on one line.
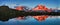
[[7, 13]]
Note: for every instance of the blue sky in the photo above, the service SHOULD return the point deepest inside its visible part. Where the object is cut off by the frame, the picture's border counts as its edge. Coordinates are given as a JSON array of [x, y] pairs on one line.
[[31, 3], [59, 3]]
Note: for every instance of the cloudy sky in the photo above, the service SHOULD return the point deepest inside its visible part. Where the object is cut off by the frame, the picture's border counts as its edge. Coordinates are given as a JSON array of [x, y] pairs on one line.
[[30, 3]]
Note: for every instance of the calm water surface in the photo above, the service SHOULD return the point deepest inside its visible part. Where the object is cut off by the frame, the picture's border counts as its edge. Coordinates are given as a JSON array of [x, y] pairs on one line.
[[29, 20]]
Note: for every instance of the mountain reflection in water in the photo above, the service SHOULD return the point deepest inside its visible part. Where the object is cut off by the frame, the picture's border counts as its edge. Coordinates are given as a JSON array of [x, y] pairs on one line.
[[33, 20], [41, 18]]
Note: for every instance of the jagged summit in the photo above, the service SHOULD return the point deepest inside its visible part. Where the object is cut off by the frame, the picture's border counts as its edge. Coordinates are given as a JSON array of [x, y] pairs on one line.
[[8, 13], [41, 8]]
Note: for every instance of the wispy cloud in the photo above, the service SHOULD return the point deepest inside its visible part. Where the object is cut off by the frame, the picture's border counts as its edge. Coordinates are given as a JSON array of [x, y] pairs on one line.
[[11, 5]]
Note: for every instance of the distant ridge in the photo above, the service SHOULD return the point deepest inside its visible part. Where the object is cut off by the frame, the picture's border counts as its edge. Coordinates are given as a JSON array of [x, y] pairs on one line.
[[7, 13]]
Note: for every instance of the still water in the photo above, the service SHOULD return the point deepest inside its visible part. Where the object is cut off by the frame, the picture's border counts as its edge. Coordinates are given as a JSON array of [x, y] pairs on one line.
[[30, 20]]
